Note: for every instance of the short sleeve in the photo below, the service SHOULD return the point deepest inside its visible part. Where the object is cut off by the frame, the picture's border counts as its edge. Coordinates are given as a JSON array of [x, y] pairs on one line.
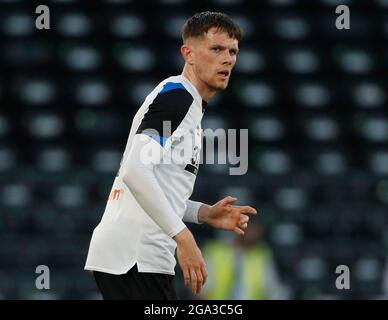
[[169, 107]]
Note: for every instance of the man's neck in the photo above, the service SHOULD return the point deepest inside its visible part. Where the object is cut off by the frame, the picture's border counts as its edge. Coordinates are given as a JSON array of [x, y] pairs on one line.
[[205, 92]]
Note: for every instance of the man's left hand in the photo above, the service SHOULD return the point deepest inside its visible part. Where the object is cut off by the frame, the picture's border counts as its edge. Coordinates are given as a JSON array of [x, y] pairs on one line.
[[224, 215]]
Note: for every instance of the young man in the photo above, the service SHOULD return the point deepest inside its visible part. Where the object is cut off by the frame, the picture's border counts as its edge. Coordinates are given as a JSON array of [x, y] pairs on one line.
[[132, 249]]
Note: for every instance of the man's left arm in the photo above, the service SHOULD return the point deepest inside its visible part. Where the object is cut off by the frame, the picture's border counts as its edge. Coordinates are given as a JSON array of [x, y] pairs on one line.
[[222, 215]]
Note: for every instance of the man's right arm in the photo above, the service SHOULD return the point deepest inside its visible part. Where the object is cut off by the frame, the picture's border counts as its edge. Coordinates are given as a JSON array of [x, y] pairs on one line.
[[171, 104], [150, 139], [141, 181]]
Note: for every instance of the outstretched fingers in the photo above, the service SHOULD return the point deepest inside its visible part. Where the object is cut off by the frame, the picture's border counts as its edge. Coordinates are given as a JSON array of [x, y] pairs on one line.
[[228, 200], [239, 231], [246, 209], [243, 222]]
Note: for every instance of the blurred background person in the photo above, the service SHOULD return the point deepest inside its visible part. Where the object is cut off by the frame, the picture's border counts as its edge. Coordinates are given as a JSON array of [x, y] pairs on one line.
[[242, 268]]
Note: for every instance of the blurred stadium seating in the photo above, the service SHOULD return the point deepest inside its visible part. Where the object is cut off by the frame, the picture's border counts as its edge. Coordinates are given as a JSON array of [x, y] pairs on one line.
[[313, 98]]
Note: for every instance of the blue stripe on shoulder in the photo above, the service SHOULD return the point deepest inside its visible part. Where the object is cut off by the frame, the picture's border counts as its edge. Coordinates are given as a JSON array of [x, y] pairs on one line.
[[159, 139], [172, 86]]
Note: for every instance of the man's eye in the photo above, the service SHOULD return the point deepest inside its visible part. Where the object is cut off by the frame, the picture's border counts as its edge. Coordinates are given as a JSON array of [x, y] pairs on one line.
[[216, 50]]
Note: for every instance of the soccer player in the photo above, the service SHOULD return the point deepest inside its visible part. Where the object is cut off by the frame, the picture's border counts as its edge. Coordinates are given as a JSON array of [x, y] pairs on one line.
[[132, 249]]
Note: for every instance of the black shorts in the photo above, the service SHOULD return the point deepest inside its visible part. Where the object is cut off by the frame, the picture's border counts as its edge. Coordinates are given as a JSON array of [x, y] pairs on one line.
[[135, 285]]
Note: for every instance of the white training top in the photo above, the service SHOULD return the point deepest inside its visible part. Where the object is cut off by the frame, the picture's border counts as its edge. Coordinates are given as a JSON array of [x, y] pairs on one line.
[[150, 194]]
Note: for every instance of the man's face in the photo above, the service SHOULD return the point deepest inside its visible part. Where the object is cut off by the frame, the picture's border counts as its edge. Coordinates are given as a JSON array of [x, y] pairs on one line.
[[214, 57]]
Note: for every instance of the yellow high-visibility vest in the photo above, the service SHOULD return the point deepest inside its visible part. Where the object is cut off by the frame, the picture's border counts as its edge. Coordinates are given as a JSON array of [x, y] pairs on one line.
[[222, 257]]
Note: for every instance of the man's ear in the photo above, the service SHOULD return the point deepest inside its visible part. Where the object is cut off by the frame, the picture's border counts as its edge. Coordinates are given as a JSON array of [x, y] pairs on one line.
[[187, 53]]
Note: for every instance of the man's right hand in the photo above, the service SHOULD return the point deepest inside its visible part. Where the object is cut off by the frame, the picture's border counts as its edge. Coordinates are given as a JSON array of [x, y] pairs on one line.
[[190, 260]]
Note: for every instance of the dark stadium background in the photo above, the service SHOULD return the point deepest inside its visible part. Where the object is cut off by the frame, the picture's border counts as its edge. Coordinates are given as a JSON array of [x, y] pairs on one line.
[[314, 99]]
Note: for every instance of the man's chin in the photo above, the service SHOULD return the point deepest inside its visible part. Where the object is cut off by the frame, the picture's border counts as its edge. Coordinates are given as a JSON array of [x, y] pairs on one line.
[[220, 86]]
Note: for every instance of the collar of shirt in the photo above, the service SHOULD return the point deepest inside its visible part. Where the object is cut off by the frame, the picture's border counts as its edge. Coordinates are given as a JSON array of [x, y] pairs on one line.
[[187, 81]]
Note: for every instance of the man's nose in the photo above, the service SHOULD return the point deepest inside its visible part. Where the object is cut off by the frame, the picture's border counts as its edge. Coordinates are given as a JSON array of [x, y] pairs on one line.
[[228, 59]]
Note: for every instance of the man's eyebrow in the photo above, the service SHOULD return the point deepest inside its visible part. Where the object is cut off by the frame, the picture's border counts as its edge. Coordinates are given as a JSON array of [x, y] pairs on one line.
[[224, 47], [218, 46]]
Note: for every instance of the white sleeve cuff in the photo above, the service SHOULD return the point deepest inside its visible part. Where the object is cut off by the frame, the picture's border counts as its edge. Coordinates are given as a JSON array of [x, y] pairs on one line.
[[180, 226], [191, 212]]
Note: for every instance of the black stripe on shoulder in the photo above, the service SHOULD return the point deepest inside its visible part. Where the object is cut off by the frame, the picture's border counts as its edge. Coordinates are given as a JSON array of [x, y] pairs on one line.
[[171, 105]]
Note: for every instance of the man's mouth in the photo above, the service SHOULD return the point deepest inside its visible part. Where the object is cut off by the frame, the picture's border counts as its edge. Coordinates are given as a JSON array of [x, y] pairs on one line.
[[223, 73]]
